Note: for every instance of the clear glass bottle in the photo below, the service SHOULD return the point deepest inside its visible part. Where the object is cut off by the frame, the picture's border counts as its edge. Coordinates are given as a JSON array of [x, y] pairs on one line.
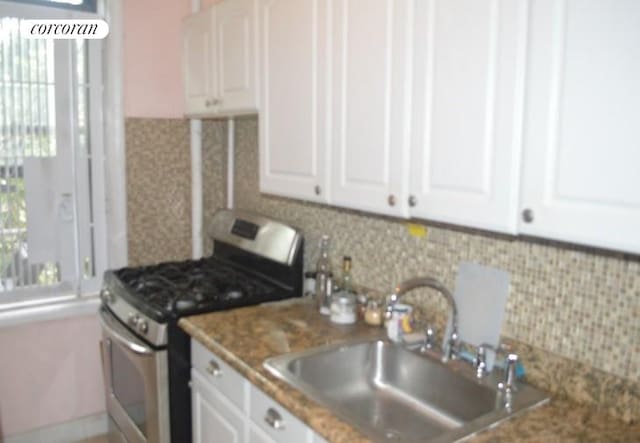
[[323, 277], [347, 282]]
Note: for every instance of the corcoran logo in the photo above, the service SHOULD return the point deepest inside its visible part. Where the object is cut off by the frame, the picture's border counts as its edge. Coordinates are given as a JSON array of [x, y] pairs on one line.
[[64, 29]]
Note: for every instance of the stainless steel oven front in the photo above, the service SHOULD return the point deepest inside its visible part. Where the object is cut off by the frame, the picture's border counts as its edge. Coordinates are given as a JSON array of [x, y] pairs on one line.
[[136, 385]]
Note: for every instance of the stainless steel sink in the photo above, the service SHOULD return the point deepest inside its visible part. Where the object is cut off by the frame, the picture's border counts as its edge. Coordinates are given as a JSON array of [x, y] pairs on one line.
[[392, 394]]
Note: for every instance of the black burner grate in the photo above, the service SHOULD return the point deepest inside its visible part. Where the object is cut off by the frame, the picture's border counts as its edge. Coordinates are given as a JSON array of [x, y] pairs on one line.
[[180, 288]]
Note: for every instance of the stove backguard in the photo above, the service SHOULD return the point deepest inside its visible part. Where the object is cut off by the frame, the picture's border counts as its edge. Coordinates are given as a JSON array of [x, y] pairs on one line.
[[271, 249]]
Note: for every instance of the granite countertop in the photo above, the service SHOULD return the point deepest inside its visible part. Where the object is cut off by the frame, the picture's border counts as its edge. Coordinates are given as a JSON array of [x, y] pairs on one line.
[[245, 337]]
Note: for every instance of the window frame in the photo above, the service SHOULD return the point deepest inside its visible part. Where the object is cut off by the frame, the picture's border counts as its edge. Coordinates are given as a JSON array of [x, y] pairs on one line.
[[80, 288], [85, 6]]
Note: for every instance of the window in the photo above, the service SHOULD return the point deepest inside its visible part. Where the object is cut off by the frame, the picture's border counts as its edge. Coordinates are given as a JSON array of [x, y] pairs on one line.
[[79, 5], [52, 216]]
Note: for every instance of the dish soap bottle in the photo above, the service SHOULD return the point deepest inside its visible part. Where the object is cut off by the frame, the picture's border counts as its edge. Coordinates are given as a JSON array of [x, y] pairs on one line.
[[324, 277]]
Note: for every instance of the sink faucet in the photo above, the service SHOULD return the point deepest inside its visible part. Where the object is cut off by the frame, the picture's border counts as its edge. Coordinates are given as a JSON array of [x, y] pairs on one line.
[[419, 282]]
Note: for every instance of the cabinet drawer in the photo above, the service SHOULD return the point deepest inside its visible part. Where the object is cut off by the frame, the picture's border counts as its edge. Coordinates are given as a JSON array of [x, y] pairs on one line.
[[219, 374], [264, 410]]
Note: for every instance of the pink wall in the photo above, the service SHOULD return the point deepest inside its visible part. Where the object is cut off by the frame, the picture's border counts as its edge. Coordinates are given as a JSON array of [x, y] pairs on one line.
[[50, 372], [207, 3], [153, 57]]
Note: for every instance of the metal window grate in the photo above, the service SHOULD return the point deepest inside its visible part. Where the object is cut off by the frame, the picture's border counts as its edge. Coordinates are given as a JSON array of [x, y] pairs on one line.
[[29, 101], [27, 119], [52, 208]]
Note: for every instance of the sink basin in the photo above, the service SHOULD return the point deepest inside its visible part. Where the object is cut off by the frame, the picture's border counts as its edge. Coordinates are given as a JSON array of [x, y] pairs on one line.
[[392, 394]]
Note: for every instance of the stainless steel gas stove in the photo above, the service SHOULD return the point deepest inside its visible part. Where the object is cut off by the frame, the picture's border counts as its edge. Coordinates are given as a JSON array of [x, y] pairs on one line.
[[146, 356]]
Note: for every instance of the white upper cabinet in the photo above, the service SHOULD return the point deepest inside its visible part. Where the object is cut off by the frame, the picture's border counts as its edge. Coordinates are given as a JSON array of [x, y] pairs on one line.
[[236, 56], [370, 96], [220, 60], [467, 111], [581, 174], [199, 75], [293, 122]]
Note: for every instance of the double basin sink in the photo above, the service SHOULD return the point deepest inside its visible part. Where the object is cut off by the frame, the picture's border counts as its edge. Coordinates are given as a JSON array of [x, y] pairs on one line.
[[392, 394]]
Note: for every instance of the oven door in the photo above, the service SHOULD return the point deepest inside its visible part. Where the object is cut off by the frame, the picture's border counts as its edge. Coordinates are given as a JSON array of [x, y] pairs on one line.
[[136, 383]]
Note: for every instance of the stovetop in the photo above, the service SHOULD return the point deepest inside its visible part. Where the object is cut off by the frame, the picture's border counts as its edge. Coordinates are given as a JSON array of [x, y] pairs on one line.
[[175, 289]]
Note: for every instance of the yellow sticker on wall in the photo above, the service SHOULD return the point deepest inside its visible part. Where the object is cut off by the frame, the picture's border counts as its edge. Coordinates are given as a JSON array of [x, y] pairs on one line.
[[416, 230]]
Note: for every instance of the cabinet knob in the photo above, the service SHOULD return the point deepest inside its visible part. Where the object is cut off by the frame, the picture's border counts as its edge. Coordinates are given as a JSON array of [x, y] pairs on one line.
[[527, 215], [214, 368], [391, 200], [317, 190], [216, 102], [413, 201], [274, 419], [208, 103]]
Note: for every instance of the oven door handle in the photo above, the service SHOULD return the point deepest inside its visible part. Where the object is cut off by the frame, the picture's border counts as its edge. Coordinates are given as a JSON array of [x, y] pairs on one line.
[[121, 335]]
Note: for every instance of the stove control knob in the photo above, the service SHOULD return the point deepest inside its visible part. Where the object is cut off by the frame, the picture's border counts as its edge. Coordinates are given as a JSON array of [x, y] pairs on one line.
[[133, 319], [143, 327], [107, 297]]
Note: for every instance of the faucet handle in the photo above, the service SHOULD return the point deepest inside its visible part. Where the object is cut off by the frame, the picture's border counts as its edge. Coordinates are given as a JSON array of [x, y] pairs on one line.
[[480, 362], [509, 383], [429, 338], [388, 308]]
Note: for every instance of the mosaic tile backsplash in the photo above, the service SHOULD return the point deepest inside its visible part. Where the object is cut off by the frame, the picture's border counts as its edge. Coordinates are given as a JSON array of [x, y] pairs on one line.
[[158, 190], [566, 303], [214, 173], [575, 302], [159, 186]]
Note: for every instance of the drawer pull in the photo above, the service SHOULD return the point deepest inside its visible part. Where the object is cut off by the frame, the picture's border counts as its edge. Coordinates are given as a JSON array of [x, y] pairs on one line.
[[274, 419], [214, 368]]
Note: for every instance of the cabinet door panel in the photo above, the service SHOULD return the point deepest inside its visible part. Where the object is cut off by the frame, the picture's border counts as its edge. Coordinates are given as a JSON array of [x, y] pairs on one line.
[[582, 125], [293, 152], [470, 58], [235, 27], [293, 431], [214, 418], [257, 435], [198, 52], [371, 65]]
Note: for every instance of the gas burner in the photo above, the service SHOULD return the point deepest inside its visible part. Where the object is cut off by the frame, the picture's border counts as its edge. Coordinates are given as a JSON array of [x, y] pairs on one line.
[[194, 286]]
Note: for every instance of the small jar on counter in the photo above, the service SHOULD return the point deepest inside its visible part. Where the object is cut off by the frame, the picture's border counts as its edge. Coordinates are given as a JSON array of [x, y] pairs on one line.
[[373, 314], [361, 305], [343, 308], [309, 284], [400, 322]]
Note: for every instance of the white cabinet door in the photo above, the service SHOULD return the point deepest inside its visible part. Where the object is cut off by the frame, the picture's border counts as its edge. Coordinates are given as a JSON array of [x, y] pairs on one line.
[[235, 62], [371, 87], [215, 419], [257, 435], [275, 421], [467, 111], [198, 55], [582, 129], [293, 150]]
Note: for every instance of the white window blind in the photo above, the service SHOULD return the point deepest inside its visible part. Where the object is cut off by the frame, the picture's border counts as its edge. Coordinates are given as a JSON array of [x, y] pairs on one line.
[[51, 171]]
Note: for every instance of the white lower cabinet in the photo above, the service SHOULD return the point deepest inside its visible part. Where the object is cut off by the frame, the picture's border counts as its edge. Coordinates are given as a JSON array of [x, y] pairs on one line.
[[214, 418], [227, 408]]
